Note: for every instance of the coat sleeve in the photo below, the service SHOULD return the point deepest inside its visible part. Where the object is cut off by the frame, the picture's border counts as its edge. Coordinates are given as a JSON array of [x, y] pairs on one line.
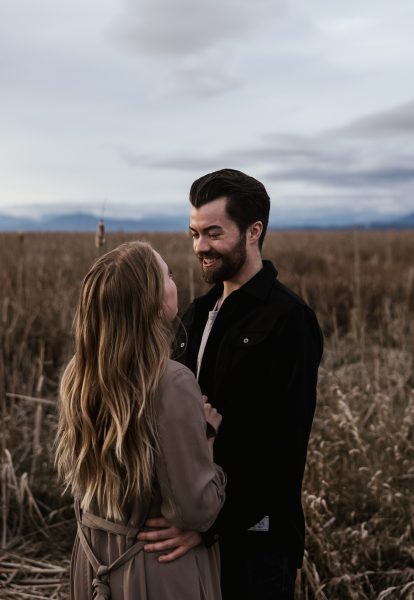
[[191, 484]]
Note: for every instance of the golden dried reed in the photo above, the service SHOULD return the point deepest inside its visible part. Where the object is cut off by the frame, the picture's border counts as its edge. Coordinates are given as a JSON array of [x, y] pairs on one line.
[[359, 479]]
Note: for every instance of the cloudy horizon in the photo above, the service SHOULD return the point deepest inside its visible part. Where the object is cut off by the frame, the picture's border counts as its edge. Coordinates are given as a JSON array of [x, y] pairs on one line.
[[122, 105]]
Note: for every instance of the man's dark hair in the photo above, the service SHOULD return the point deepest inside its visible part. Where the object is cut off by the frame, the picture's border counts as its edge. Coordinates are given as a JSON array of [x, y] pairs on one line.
[[247, 199]]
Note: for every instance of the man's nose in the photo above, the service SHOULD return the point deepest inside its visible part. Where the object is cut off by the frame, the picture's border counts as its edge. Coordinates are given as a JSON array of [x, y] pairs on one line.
[[201, 244]]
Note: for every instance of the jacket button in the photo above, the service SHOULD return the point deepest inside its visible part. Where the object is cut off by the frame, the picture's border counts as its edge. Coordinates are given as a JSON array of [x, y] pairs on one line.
[[245, 340], [182, 344]]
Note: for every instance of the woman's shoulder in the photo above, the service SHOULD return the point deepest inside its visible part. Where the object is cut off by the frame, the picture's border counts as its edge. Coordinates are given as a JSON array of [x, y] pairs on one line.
[[176, 370]]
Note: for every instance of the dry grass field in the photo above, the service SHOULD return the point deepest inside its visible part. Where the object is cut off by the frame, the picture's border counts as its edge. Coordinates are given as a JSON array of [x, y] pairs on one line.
[[359, 481]]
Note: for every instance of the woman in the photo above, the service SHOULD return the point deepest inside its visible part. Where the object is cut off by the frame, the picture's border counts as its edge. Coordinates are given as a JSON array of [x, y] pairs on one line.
[[131, 440]]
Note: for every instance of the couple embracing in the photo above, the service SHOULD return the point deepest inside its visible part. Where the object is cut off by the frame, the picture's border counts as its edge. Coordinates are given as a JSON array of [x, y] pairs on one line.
[[185, 447]]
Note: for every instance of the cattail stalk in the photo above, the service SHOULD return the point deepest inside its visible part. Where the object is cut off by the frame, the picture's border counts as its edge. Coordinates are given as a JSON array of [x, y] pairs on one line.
[[100, 240]]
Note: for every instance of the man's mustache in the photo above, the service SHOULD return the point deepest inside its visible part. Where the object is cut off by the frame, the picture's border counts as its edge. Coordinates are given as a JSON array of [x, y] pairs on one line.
[[208, 255]]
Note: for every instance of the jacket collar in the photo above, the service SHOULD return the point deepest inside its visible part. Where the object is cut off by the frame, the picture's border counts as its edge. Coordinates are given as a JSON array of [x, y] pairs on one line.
[[258, 286]]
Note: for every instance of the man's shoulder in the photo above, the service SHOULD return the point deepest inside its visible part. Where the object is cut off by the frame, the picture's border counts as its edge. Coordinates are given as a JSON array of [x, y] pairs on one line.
[[285, 295], [281, 305], [295, 313], [282, 302]]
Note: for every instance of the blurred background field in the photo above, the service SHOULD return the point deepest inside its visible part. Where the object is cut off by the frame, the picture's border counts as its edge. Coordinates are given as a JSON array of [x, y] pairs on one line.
[[359, 480]]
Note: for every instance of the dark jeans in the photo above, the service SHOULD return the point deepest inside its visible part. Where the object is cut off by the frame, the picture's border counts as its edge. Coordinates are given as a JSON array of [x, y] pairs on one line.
[[271, 577], [259, 576]]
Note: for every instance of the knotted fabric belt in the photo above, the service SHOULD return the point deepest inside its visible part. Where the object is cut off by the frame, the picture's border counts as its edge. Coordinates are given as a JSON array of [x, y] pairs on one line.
[[100, 583]]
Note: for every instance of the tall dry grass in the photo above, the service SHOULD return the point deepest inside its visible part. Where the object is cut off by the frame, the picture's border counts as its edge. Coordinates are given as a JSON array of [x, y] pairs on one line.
[[359, 478]]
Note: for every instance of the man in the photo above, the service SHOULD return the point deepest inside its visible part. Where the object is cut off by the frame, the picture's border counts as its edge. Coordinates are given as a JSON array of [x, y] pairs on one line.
[[255, 347]]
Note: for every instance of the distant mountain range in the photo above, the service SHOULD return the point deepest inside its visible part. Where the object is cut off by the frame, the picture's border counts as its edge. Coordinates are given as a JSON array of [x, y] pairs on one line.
[[83, 222]]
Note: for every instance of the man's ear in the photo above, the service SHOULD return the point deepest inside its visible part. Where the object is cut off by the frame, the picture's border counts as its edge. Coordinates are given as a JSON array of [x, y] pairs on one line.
[[254, 231]]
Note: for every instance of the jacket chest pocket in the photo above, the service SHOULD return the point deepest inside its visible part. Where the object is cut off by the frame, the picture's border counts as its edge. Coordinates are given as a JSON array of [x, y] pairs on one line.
[[249, 339], [247, 346]]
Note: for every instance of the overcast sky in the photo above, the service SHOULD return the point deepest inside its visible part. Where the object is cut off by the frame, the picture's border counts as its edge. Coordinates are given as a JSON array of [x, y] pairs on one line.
[[124, 103]]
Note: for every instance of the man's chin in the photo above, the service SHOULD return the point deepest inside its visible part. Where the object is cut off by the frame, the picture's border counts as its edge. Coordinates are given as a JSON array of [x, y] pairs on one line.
[[209, 275]]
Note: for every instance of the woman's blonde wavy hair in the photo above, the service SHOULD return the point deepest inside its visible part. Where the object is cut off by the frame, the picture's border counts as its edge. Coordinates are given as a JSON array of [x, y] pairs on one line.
[[107, 434]]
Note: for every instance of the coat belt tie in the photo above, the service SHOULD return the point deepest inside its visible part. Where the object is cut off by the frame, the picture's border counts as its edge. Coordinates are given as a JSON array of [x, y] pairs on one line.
[[101, 589], [100, 583]]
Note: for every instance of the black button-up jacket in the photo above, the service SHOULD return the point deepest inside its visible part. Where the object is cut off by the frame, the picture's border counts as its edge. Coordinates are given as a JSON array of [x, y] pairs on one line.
[[259, 370]]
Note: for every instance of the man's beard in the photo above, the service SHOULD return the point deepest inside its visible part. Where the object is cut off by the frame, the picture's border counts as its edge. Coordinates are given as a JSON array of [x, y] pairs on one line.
[[231, 263]]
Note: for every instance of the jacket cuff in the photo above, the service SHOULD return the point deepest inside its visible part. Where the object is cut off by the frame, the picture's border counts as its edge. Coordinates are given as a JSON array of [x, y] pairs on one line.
[[209, 537]]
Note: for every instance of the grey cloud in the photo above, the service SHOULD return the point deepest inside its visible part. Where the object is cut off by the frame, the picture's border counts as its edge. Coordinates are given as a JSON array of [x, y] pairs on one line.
[[186, 28], [321, 167], [295, 150], [341, 159], [330, 160], [379, 176], [394, 122], [325, 160], [202, 44], [288, 152], [182, 27]]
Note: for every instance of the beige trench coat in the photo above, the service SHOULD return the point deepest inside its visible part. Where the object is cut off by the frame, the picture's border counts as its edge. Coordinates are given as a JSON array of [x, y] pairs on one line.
[[189, 493]]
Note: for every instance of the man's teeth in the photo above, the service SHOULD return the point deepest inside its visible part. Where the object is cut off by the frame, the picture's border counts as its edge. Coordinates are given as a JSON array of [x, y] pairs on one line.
[[209, 261]]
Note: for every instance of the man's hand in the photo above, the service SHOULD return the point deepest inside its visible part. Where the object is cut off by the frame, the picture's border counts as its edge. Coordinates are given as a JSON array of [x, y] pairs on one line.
[[168, 537]]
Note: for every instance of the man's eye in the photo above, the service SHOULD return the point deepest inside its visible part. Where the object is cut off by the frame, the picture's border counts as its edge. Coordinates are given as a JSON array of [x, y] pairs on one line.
[[214, 236]]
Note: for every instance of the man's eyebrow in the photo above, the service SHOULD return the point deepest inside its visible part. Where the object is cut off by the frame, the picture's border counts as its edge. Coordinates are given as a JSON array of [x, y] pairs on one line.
[[207, 229]]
